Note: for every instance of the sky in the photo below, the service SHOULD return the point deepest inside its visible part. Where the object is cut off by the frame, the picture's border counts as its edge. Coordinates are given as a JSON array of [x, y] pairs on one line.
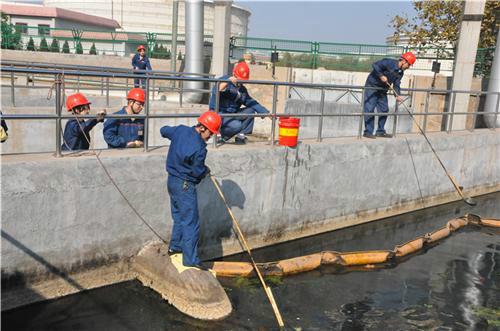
[[363, 22], [329, 21]]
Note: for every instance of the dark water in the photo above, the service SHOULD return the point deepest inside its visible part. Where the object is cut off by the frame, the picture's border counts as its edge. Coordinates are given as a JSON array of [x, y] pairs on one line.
[[452, 286]]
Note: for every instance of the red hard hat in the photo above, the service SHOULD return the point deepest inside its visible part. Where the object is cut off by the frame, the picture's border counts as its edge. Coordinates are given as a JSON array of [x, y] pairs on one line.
[[141, 47], [409, 57], [211, 120], [75, 100], [136, 94], [241, 71]]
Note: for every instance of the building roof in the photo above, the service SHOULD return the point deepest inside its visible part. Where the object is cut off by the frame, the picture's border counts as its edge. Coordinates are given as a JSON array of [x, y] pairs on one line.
[[54, 12]]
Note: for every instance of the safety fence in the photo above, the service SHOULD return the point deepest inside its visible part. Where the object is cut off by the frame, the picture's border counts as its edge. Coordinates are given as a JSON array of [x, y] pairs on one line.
[[346, 56], [153, 79], [291, 53], [360, 260], [93, 42]]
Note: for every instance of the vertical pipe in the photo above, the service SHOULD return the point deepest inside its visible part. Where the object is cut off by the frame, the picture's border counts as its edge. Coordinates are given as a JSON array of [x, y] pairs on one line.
[[175, 15], [58, 113], [217, 96], [426, 111], [361, 118], [496, 111], [321, 110], [474, 116], [181, 83], [12, 92], [102, 85], [107, 90], [194, 47], [450, 118], [153, 90], [146, 122], [493, 87], [395, 121], [273, 118]]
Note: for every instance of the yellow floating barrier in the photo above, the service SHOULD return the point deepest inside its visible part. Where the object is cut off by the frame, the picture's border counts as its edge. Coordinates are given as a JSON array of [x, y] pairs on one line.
[[362, 260], [410, 247]]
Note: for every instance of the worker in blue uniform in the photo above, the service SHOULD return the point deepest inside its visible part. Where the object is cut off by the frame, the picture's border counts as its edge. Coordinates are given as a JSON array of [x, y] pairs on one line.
[[235, 99], [77, 131], [127, 132], [186, 168], [140, 61], [385, 73]]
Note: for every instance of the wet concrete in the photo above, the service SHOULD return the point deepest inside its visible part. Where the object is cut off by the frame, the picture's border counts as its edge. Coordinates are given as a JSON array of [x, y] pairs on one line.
[[452, 286]]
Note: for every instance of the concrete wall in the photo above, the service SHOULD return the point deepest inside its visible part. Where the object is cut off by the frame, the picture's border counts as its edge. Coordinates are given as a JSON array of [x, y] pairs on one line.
[[65, 213]]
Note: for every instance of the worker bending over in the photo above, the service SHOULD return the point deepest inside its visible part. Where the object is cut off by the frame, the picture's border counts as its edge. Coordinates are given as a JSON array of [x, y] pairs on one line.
[[385, 73], [186, 168]]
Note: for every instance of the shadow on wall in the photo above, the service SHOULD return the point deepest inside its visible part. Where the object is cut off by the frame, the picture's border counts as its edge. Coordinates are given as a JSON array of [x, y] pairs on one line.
[[215, 221]]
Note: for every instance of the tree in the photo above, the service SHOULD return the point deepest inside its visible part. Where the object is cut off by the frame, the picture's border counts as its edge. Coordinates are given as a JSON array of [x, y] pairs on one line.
[[179, 56], [286, 61], [43, 45], [54, 46], [79, 48], [437, 24], [11, 37], [65, 48], [93, 50], [31, 45]]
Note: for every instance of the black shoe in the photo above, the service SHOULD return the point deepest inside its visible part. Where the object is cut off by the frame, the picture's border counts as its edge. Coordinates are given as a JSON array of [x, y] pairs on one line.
[[368, 135], [383, 135], [240, 141], [173, 252]]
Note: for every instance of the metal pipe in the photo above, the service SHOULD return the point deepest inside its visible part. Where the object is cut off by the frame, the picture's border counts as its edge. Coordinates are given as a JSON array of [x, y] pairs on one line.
[[146, 120], [426, 110], [493, 88], [395, 120], [361, 118], [217, 102], [322, 111], [107, 91], [173, 53], [194, 46], [450, 119], [12, 92], [58, 113], [474, 115], [273, 118]]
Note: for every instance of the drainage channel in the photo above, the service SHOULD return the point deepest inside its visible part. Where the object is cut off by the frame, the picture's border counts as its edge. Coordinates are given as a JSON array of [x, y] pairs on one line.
[[450, 286]]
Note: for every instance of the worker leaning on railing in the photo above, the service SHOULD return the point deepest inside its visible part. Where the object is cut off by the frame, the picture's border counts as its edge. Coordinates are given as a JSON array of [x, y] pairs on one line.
[[127, 132], [77, 131]]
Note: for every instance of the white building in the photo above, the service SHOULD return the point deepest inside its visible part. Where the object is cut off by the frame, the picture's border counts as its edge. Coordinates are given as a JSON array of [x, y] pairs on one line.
[[152, 15]]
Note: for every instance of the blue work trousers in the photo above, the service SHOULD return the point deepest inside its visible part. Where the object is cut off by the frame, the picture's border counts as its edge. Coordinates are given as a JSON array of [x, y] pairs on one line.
[[141, 83], [375, 99], [186, 230], [234, 125]]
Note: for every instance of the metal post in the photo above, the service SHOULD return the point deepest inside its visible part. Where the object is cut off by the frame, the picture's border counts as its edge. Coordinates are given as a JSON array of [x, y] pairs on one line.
[[78, 83], [361, 118], [102, 85], [146, 122], [273, 118], [496, 111], [474, 116], [126, 84], [107, 90], [321, 110], [181, 83], [426, 111], [153, 94], [395, 121], [217, 96], [450, 119], [12, 92], [173, 53], [58, 113]]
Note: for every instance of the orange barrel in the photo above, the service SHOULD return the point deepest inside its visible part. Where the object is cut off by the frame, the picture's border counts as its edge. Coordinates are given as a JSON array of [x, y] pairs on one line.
[[289, 131]]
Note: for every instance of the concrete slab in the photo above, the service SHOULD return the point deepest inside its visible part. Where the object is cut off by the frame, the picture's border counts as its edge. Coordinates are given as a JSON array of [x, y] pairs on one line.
[[194, 292]]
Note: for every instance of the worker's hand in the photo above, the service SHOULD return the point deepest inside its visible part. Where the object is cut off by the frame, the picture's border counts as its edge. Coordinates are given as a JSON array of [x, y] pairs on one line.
[[233, 80], [384, 79], [131, 144], [399, 98], [139, 143], [100, 116]]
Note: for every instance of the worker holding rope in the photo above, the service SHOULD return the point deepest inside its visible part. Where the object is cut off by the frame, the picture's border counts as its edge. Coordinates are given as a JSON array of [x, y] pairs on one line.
[[235, 99], [385, 72], [127, 132], [186, 168], [77, 131]]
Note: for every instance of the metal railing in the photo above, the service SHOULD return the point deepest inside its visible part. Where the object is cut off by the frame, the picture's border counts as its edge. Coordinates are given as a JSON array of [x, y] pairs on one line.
[[449, 114]]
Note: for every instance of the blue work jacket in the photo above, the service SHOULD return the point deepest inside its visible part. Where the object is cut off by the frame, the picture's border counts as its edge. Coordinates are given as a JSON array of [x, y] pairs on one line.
[[233, 97], [390, 69], [74, 137], [120, 131], [186, 154], [142, 64]]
